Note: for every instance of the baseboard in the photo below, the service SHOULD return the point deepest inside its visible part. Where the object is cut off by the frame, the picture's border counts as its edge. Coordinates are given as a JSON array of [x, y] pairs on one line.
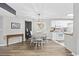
[[9, 44], [74, 54], [66, 48], [58, 43], [71, 52], [2, 44]]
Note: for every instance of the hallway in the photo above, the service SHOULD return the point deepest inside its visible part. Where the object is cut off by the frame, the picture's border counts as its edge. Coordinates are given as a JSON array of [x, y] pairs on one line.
[[50, 49]]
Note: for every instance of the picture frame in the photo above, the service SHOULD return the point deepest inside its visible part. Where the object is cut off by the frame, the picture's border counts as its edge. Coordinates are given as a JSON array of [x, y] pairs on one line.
[[15, 25]]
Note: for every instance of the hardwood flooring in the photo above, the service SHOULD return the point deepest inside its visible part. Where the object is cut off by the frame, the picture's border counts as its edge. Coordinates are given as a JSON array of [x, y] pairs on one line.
[[49, 49]]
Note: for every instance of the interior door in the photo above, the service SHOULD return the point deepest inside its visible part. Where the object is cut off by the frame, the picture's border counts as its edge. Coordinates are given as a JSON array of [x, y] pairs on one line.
[[28, 25]]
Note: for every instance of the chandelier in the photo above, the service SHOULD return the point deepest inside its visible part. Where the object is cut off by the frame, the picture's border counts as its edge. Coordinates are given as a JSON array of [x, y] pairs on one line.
[[40, 22], [38, 17]]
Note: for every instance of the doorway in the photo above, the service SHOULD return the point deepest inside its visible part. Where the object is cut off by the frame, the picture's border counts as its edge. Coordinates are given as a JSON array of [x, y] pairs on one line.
[[28, 26]]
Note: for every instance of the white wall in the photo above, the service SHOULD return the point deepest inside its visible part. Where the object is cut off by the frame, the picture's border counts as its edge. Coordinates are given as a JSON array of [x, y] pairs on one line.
[[7, 29], [7, 25], [46, 29], [72, 42], [70, 27], [1, 30], [76, 28]]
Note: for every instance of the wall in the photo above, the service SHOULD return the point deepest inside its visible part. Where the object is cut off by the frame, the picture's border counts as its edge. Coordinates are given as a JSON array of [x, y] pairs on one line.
[[45, 30], [7, 29], [72, 42], [76, 28], [70, 27], [68, 41], [1, 30], [7, 25]]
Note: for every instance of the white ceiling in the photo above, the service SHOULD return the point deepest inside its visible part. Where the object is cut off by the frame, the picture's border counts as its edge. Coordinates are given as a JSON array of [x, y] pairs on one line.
[[46, 10]]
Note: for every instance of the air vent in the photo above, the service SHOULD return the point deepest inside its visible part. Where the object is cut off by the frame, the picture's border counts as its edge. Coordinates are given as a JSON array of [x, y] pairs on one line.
[[8, 8]]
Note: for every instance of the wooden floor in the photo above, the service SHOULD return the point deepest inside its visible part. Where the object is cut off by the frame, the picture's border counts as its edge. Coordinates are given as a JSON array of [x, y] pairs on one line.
[[49, 49]]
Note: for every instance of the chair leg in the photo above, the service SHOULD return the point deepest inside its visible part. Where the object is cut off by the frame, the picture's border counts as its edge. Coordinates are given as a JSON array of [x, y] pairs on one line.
[[30, 44], [40, 43]]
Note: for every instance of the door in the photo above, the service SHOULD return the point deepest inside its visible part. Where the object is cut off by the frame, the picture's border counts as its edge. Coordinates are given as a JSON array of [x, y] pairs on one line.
[[28, 25]]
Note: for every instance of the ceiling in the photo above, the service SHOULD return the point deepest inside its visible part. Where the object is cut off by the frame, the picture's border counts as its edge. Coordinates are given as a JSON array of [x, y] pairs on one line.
[[46, 10]]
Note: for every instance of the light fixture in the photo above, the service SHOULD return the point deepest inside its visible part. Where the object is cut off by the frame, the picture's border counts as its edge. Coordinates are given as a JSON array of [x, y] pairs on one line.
[[38, 17], [40, 23]]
